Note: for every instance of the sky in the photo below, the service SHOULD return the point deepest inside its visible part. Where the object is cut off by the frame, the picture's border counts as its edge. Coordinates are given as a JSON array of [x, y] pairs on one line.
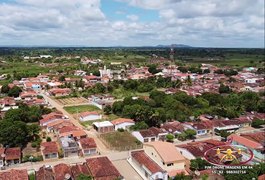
[[198, 23]]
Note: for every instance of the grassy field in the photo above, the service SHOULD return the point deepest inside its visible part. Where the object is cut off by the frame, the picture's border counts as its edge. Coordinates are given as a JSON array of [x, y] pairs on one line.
[[121, 93], [80, 109], [121, 140]]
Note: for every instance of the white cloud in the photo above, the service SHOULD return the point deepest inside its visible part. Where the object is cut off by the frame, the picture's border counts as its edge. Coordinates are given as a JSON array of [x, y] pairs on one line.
[[132, 17], [82, 22]]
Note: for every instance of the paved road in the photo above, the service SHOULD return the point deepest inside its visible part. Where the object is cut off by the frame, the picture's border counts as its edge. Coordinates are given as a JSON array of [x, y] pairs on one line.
[[113, 156], [101, 147], [126, 170]]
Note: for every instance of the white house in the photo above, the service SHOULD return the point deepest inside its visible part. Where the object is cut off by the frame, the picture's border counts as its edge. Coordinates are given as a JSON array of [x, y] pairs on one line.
[[89, 116], [146, 167], [122, 123]]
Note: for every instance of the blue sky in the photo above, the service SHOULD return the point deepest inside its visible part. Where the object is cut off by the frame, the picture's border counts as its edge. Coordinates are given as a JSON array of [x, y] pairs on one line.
[[115, 10], [204, 23]]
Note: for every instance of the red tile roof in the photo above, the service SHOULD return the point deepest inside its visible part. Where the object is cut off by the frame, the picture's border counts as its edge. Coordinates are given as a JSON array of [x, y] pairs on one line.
[[121, 120], [44, 173], [261, 177], [258, 137], [147, 133], [14, 174], [173, 126], [143, 159], [13, 153], [199, 148], [84, 114], [87, 143], [66, 129], [79, 169], [61, 171], [102, 168], [49, 147], [245, 141]]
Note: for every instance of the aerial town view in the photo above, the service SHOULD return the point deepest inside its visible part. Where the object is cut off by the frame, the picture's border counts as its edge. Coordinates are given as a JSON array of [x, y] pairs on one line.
[[132, 90]]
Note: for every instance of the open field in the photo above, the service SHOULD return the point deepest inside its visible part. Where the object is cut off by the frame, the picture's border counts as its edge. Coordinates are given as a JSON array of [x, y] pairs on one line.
[[81, 108], [120, 141], [72, 101]]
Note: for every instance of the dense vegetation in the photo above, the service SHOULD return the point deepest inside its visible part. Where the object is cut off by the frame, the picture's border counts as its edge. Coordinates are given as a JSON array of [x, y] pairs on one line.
[[161, 107], [17, 129]]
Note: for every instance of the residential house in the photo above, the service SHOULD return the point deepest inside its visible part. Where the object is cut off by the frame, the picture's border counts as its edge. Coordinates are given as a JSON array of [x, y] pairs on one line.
[[49, 150], [72, 131], [7, 102], [89, 116], [69, 146], [36, 86], [13, 156], [60, 92], [101, 168], [77, 134], [2, 156], [122, 123], [253, 141], [148, 168], [159, 133], [52, 117], [44, 173], [174, 127], [201, 128], [103, 127], [144, 135], [197, 149], [79, 169], [14, 174], [28, 95], [166, 156], [91, 79], [88, 146], [62, 172], [101, 101]]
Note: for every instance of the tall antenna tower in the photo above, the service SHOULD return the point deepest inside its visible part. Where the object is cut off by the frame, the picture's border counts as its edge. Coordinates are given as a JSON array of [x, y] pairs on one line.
[[171, 56]]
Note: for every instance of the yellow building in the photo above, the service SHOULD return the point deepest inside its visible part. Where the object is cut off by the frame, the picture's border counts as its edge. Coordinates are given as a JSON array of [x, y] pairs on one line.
[[166, 156]]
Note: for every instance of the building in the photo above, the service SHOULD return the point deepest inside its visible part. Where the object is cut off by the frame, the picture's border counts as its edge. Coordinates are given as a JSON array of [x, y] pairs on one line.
[[78, 169], [103, 127], [148, 168], [12, 156], [2, 156], [69, 146], [197, 149], [101, 168], [101, 101], [88, 146], [122, 123], [14, 174], [174, 127], [166, 156], [49, 150], [60, 92], [151, 134], [144, 135], [89, 116], [253, 141], [44, 173], [62, 172]]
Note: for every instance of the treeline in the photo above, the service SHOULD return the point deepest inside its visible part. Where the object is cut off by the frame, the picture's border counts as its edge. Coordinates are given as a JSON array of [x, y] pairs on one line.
[[161, 107]]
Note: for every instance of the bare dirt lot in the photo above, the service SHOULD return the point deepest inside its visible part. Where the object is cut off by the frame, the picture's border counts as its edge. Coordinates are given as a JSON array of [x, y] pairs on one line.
[[72, 101]]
